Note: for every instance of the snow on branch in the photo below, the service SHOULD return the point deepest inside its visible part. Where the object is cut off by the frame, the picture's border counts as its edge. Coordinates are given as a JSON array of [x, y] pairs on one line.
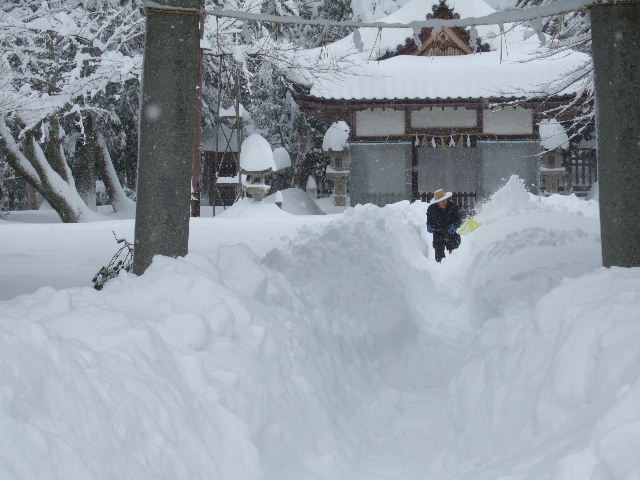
[[23, 164]]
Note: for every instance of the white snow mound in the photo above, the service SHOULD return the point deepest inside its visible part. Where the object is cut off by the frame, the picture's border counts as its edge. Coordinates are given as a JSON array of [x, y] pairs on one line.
[[347, 353]]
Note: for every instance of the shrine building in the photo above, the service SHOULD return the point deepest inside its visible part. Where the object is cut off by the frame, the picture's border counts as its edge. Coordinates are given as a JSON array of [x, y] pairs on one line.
[[454, 108]]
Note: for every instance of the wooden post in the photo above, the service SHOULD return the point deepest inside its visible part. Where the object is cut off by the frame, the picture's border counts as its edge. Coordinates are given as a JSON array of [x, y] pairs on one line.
[[616, 57], [167, 144], [414, 171]]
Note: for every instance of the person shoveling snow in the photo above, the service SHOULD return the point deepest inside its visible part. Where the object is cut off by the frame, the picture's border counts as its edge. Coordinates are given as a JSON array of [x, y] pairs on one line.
[[443, 219]]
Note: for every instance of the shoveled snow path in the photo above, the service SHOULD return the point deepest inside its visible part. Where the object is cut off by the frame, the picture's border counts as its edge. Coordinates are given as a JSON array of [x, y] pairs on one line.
[[408, 419], [410, 443]]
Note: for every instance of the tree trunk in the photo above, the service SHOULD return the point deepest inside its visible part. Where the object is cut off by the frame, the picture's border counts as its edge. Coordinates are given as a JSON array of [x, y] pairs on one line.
[[117, 196], [57, 201], [32, 197], [31, 163], [87, 153], [53, 150]]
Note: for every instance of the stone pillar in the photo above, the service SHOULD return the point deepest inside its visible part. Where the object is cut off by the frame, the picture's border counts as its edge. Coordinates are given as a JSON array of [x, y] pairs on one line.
[[167, 145], [338, 172], [616, 57]]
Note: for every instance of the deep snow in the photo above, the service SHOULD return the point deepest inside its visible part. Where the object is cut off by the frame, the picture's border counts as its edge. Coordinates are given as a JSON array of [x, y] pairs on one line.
[[324, 347]]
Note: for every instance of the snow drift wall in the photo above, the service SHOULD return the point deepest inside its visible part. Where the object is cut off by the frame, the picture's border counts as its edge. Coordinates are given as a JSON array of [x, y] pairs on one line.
[[230, 367], [550, 387], [295, 365]]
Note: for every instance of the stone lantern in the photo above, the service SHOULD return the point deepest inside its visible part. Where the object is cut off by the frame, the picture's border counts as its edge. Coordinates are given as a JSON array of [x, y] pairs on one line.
[[551, 170], [339, 169], [338, 172], [256, 162], [554, 143]]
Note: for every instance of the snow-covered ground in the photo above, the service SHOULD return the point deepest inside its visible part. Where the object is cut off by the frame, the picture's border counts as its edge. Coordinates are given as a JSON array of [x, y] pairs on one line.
[[321, 347]]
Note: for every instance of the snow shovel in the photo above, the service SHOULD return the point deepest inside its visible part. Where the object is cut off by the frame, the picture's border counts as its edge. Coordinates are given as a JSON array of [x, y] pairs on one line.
[[468, 227]]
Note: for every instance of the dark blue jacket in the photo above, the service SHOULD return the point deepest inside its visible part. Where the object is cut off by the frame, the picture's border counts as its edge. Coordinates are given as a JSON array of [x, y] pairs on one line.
[[441, 218]]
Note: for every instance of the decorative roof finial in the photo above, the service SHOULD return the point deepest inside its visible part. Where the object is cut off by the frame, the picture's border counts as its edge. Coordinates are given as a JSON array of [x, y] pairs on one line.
[[442, 11]]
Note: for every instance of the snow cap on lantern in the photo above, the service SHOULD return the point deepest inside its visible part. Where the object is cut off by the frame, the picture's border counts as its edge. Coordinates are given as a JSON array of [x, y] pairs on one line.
[[553, 135], [256, 155], [336, 137], [281, 158]]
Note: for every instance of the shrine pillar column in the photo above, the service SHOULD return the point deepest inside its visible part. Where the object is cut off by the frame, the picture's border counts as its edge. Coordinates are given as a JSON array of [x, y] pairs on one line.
[[167, 142], [616, 58]]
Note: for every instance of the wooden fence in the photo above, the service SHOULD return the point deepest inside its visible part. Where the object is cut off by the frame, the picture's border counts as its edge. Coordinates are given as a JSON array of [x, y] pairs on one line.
[[583, 170], [380, 199]]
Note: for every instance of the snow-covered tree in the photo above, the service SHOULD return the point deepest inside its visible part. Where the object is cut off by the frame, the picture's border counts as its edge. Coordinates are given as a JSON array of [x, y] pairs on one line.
[[571, 31], [59, 61], [370, 10], [271, 65]]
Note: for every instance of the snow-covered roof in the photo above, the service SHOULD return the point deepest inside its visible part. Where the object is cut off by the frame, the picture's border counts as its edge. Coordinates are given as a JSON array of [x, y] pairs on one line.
[[231, 112], [553, 135], [336, 137], [511, 69], [281, 158], [256, 154]]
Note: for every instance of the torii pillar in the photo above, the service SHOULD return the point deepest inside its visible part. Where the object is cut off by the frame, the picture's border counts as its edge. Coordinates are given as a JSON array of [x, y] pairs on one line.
[[169, 117], [616, 56]]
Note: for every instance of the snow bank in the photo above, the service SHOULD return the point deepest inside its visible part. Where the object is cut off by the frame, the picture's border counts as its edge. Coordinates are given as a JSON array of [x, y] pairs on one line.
[[248, 208], [346, 353], [224, 367], [550, 387], [296, 202], [527, 245], [561, 380]]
